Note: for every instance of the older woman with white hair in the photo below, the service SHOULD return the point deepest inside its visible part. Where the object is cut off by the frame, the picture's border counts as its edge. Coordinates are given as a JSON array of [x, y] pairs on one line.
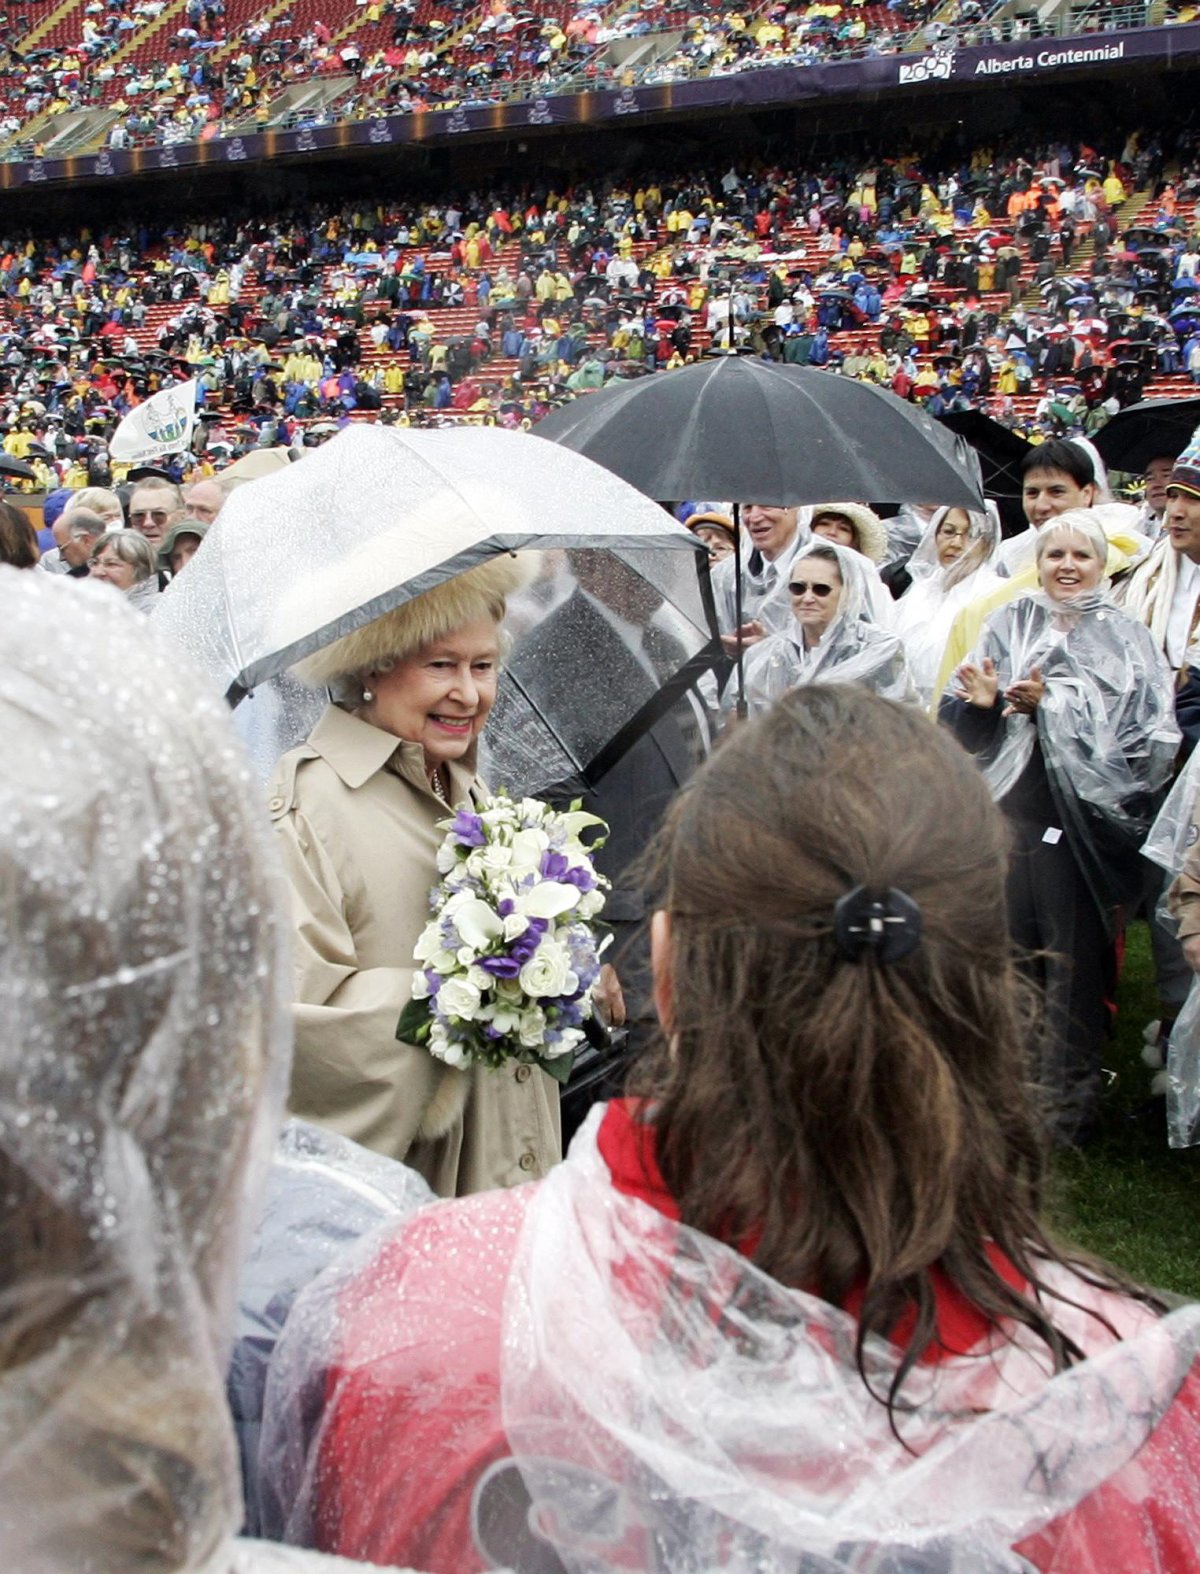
[[831, 636], [357, 809], [1068, 707]]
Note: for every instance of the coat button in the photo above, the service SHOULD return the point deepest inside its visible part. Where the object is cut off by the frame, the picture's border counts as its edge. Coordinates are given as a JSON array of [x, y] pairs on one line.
[[523, 1073], [527, 1161], [276, 803]]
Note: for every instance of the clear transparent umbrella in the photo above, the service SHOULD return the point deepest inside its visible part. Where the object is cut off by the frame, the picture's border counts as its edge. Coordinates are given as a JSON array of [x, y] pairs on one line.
[[617, 624]]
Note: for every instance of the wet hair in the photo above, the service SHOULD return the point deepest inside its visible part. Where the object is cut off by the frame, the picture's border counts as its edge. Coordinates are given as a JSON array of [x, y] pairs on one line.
[[155, 483], [131, 547], [817, 548], [18, 538], [82, 522], [1073, 522], [857, 1124], [1058, 454], [99, 499]]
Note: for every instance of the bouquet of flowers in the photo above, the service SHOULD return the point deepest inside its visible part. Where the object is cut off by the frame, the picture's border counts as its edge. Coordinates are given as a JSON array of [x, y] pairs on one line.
[[509, 961]]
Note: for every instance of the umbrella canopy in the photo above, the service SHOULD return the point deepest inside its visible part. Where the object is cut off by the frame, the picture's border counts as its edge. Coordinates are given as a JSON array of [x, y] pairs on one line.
[[14, 467], [377, 515], [756, 430], [1000, 454], [1154, 429]]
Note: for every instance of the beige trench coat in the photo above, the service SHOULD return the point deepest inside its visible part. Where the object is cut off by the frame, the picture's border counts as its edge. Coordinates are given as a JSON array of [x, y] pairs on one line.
[[358, 825]]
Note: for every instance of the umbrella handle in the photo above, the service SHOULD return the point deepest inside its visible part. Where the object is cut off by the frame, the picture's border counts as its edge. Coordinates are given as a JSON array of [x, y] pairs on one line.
[[742, 710]]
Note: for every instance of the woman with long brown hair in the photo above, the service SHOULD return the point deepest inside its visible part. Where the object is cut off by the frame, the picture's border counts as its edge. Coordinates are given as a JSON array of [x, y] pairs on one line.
[[791, 1305]]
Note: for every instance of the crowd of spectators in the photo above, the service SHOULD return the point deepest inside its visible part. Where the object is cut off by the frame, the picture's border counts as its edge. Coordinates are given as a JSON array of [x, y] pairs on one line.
[[201, 73], [992, 280]]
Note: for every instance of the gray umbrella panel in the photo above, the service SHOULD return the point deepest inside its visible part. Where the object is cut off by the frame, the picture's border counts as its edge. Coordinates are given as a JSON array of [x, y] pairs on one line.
[[604, 644], [753, 430], [375, 517]]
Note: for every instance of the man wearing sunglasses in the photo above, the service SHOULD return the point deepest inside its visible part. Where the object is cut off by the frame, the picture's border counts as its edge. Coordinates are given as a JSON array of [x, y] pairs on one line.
[[154, 506]]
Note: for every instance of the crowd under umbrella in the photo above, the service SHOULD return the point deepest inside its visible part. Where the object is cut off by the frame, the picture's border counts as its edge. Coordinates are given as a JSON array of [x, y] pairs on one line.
[[1153, 429], [377, 515], [742, 428]]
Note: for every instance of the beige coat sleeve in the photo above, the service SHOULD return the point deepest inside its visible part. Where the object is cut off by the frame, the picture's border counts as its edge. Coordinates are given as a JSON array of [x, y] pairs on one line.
[[350, 1073]]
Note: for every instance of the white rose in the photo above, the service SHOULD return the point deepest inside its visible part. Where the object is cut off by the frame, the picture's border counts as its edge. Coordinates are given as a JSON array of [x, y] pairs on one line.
[[447, 857], [458, 998], [515, 926], [548, 972], [533, 1028], [482, 980], [429, 942], [589, 904]]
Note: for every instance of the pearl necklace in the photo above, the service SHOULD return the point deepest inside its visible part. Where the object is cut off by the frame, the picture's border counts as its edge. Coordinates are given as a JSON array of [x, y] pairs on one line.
[[435, 783]]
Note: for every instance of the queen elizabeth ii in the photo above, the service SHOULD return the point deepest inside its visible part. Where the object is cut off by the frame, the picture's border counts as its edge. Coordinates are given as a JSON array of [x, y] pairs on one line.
[[357, 810]]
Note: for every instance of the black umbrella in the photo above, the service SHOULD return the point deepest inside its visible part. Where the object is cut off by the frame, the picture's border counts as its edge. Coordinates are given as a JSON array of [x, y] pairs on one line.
[[1000, 454], [751, 429], [14, 467], [1154, 429], [748, 429]]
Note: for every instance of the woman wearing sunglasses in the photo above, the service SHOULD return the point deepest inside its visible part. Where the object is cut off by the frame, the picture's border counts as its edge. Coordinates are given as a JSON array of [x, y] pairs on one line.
[[831, 637]]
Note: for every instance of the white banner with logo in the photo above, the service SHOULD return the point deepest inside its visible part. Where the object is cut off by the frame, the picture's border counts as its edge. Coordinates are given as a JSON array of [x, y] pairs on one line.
[[161, 425]]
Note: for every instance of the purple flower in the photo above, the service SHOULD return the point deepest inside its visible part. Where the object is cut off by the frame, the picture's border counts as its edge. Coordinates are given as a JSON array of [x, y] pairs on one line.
[[434, 980], [554, 865], [501, 966], [467, 829], [505, 906], [526, 944], [583, 878], [492, 1031]]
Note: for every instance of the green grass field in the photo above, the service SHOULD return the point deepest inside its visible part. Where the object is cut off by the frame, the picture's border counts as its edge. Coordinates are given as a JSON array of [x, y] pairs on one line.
[[1127, 1196]]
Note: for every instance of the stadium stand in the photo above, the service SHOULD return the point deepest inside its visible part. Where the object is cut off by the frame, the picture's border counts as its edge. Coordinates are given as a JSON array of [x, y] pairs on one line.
[[1047, 289]]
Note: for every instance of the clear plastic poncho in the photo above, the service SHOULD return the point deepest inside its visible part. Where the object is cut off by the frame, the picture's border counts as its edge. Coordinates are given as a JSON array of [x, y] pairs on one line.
[[926, 611], [853, 649], [667, 1406], [1173, 835], [143, 1067], [1105, 725], [324, 1193]]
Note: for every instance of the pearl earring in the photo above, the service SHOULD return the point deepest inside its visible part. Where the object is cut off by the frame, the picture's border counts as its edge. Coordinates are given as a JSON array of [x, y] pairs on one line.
[[368, 696]]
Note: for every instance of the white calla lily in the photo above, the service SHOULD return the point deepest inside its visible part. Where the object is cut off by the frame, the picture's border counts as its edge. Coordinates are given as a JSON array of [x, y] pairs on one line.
[[477, 924], [547, 901]]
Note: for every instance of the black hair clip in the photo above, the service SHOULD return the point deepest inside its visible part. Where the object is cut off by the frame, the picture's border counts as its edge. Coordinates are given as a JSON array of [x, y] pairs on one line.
[[889, 926]]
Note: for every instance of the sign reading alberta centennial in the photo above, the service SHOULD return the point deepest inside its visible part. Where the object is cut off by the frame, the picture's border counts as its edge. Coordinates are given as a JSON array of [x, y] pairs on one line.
[[954, 66]]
